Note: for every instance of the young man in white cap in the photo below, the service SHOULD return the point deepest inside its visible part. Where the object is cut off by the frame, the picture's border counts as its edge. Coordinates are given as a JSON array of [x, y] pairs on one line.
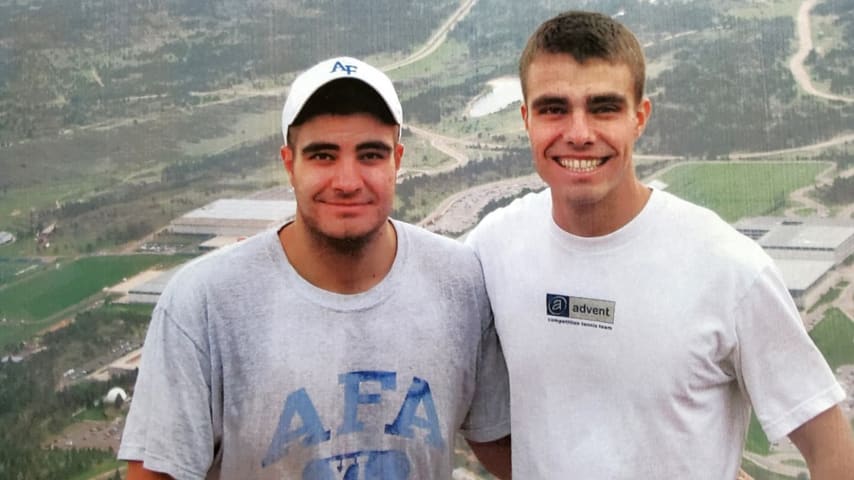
[[343, 344], [639, 329]]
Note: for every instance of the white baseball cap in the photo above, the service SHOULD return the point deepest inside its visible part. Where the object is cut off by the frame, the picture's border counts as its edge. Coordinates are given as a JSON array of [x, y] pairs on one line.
[[324, 72]]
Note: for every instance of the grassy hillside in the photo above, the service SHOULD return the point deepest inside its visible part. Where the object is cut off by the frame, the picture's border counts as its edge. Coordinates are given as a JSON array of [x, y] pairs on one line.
[[78, 62]]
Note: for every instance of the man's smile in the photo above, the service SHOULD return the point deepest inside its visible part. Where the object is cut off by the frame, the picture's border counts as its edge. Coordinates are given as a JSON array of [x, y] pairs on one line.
[[580, 164]]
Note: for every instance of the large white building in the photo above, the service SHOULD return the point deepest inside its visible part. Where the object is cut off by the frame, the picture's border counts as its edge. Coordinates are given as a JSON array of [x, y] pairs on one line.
[[804, 249], [228, 221], [149, 291], [234, 217]]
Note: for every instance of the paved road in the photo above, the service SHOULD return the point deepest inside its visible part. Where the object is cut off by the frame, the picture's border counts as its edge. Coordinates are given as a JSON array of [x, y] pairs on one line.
[[838, 140], [437, 39], [445, 145], [796, 64]]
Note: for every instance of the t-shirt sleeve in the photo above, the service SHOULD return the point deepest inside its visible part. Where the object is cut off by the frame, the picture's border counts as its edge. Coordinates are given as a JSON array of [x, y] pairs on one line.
[[169, 427], [779, 367], [489, 415]]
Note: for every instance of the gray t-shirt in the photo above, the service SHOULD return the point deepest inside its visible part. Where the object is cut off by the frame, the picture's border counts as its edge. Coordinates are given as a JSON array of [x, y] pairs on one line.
[[249, 371]]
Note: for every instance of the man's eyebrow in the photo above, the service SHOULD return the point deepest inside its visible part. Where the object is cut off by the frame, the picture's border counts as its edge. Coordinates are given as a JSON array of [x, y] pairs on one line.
[[374, 145], [319, 147], [548, 100], [613, 98]]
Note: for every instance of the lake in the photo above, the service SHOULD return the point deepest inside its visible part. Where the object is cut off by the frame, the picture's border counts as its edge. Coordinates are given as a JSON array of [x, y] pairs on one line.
[[504, 92]]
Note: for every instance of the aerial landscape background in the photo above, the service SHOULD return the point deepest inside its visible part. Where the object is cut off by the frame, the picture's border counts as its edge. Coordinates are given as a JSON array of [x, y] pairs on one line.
[[119, 116]]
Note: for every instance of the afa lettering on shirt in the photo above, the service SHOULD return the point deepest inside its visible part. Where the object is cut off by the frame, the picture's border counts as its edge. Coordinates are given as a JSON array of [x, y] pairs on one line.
[[300, 423]]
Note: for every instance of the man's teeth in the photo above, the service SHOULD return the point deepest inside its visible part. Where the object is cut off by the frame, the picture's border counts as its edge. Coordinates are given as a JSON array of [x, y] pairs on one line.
[[579, 165]]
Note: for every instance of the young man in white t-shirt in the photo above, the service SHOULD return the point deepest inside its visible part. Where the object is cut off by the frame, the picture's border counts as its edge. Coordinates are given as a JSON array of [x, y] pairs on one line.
[[638, 329]]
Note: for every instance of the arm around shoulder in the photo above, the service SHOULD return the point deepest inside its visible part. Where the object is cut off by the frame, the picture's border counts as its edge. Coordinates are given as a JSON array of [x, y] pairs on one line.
[[827, 444], [494, 456], [137, 472]]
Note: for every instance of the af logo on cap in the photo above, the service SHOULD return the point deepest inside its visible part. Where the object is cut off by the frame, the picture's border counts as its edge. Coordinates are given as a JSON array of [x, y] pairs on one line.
[[350, 69]]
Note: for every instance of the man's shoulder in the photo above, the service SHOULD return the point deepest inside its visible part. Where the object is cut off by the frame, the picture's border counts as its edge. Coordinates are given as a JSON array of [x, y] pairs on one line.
[[520, 217], [440, 252], [224, 264], [702, 228], [691, 217], [423, 238], [530, 204]]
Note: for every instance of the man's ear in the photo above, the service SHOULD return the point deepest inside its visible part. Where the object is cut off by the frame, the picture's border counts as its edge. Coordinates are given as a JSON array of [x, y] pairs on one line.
[[398, 155], [288, 159], [524, 111], [642, 113]]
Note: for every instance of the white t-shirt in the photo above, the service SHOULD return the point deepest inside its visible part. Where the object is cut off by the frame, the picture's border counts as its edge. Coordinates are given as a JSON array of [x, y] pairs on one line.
[[638, 354]]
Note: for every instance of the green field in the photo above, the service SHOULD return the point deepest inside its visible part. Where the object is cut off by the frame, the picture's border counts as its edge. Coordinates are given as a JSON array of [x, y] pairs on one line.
[[743, 189], [834, 336], [12, 268], [29, 305]]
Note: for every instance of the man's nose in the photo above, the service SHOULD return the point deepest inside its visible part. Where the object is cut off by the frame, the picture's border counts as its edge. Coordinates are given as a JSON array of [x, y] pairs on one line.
[[347, 176], [577, 130]]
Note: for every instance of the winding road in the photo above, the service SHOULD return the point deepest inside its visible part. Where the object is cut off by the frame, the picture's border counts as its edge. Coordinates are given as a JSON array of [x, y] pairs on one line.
[[437, 39], [796, 64]]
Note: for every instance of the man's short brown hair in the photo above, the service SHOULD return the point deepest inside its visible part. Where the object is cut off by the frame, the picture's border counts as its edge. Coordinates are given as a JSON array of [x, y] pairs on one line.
[[586, 35]]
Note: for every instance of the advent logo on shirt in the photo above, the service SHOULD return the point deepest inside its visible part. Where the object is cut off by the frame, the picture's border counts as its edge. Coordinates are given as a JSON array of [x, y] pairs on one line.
[[566, 309]]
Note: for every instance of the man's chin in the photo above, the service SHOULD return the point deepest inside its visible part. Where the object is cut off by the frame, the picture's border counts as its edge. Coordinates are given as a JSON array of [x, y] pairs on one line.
[[346, 243]]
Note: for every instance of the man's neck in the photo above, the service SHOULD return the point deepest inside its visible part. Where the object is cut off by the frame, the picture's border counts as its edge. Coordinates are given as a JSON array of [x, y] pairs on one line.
[[342, 272], [603, 217]]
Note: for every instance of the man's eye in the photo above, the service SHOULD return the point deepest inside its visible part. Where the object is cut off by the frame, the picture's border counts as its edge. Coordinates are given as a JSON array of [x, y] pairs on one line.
[[606, 109], [320, 156], [552, 110], [373, 156]]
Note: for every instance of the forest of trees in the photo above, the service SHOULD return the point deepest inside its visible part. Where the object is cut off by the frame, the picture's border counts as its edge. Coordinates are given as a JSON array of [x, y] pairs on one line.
[[64, 65], [31, 408], [840, 192], [836, 65]]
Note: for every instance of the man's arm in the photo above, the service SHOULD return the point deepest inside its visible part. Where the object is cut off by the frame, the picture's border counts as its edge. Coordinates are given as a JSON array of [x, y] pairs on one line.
[[137, 472], [827, 444], [494, 456]]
